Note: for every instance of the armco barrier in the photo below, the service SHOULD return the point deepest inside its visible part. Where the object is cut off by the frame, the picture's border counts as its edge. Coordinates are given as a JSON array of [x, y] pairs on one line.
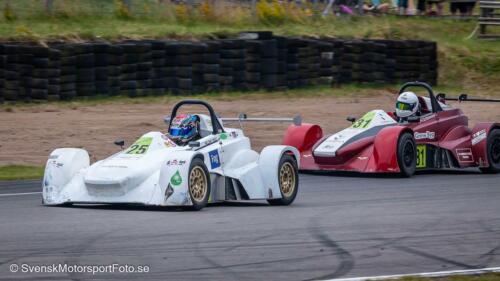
[[253, 61]]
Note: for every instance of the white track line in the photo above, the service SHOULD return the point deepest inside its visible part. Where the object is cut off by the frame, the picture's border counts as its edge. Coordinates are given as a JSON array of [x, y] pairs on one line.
[[17, 194], [424, 274]]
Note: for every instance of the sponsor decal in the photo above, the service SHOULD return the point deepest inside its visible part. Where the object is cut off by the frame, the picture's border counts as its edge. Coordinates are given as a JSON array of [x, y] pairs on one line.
[[477, 137], [176, 179], [234, 135], [307, 155], [176, 162], [426, 135], [223, 136], [209, 141], [115, 166], [56, 164], [53, 156], [168, 142], [425, 118], [465, 155], [214, 159]]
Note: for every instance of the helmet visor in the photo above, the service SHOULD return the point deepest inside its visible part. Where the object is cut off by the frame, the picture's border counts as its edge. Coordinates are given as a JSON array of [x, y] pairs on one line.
[[404, 106], [179, 132]]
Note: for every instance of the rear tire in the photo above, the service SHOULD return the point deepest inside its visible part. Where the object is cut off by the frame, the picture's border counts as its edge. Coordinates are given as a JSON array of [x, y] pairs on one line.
[[407, 155], [198, 184], [288, 177], [493, 152]]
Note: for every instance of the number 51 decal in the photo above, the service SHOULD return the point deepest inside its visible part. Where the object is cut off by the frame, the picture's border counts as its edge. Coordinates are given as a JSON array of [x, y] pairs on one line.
[[141, 146]]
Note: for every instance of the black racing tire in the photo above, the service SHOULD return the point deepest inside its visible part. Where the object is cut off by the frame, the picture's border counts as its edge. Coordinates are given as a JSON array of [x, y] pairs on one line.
[[198, 184], [493, 152], [407, 155], [288, 177]]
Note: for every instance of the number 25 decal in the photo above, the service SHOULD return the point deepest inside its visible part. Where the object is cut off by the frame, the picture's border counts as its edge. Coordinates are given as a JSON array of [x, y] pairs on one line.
[[141, 146]]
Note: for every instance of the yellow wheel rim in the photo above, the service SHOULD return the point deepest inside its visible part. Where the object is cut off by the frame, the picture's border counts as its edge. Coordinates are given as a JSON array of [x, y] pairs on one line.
[[287, 179], [198, 184]]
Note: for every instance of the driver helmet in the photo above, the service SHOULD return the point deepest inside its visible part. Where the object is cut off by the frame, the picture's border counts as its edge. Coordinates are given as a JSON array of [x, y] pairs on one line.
[[184, 128], [407, 105]]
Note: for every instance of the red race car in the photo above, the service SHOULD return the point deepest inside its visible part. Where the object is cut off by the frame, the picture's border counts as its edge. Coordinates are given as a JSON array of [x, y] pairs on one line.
[[433, 136]]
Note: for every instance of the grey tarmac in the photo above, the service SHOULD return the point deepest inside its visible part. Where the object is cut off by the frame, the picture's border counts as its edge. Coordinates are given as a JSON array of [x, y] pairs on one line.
[[340, 226]]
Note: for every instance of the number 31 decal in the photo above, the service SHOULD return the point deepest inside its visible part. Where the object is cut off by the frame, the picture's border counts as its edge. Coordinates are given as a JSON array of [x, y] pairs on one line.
[[421, 156], [364, 121], [141, 146]]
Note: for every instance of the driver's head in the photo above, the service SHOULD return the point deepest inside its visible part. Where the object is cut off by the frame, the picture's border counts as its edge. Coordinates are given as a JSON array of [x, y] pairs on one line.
[[184, 128], [407, 105]]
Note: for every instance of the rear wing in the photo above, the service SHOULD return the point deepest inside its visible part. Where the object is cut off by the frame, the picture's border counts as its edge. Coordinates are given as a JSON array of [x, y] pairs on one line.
[[242, 117], [463, 97]]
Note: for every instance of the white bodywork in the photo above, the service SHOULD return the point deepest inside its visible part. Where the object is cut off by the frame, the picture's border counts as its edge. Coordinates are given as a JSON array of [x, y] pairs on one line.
[[369, 123], [154, 171]]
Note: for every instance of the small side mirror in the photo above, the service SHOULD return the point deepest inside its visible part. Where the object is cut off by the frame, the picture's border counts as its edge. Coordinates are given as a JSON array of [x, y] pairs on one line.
[[194, 144], [120, 142], [351, 119]]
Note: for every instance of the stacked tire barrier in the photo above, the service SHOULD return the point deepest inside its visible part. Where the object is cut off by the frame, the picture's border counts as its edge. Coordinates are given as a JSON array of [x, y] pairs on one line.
[[254, 61]]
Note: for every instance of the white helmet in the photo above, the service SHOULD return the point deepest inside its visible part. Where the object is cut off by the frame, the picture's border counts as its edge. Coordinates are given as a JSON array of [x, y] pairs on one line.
[[407, 105]]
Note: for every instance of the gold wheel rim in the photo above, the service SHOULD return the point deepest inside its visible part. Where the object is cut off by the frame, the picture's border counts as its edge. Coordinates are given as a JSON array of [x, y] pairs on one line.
[[198, 184], [287, 179]]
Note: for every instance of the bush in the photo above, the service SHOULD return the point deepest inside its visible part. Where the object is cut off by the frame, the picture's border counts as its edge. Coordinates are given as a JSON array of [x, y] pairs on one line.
[[272, 13], [122, 11], [8, 13]]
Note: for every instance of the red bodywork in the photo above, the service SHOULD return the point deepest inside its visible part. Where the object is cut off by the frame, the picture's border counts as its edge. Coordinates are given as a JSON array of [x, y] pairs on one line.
[[453, 141]]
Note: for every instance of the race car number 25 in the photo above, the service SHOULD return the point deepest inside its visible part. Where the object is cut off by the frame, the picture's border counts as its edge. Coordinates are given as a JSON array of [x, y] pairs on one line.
[[141, 146], [421, 156]]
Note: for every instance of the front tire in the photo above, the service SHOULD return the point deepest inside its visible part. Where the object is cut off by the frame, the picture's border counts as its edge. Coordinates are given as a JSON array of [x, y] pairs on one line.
[[407, 155], [198, 184], [493, 152], [288, 177]]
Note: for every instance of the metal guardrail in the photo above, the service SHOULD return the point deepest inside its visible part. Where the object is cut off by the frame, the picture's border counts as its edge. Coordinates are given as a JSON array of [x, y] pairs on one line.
[[488, 17]]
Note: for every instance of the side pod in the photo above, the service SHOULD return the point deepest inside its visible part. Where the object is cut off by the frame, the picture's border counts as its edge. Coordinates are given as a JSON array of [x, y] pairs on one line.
[[302, 137], [479, 138], [385, 145], [63, 164]]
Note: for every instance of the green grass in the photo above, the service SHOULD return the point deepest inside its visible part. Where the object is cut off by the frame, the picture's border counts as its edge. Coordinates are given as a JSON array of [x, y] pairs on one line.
[[466, 64], [18, 172], [348, 90]]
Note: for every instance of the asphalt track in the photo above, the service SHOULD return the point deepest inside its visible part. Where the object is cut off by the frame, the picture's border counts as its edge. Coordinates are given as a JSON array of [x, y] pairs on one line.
[[339, 226]]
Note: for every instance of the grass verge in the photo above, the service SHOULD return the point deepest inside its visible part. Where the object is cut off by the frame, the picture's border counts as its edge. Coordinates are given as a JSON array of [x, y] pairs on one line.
[[350, 90], [464, 63], [20, 172]]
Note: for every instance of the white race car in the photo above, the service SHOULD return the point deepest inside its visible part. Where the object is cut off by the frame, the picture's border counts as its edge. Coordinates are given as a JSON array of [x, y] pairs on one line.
[[219, 166]]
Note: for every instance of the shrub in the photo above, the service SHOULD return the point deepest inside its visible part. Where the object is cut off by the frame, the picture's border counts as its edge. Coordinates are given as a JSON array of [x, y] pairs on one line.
[[207, 11], [272, 13], [8, 13], [122, 11], [182, 13]]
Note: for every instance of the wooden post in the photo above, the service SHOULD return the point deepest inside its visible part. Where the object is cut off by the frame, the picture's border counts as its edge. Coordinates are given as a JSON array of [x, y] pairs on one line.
[[49, 6], [128, 4]]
